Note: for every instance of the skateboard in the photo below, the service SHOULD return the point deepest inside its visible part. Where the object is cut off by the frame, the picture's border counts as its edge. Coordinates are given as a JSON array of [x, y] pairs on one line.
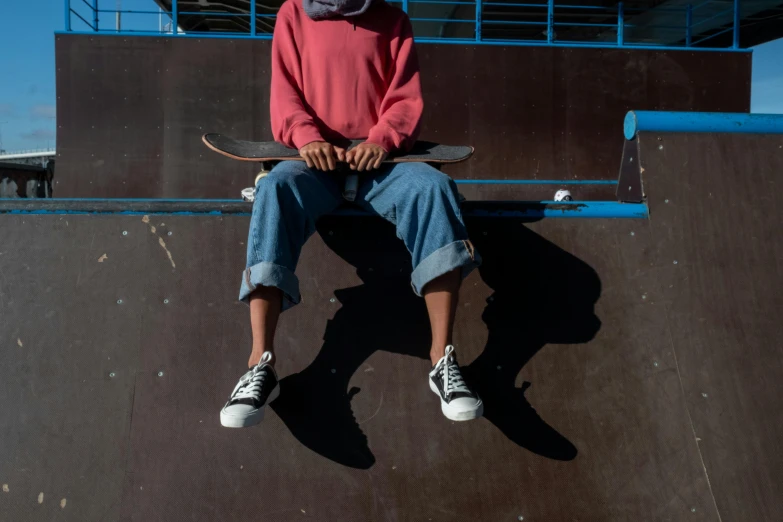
[[268, 152]]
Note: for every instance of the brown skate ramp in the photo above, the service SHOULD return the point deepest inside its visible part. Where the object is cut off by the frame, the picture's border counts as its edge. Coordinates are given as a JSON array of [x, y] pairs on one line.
[[618, 384]]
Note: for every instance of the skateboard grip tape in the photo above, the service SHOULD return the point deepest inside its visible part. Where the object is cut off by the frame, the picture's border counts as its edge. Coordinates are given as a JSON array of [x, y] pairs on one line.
[[351, 187]]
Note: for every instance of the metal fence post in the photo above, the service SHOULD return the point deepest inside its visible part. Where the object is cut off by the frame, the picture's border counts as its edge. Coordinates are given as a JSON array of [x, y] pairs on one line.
[[174, 17], [478, 20], [688, 24], [95, 14], [736, 24], [620, 25], [550, 21], [253, 17], [67, 15]]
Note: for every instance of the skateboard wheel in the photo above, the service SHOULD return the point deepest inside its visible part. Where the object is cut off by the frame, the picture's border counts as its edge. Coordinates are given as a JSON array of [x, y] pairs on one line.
[[563, 195], [260, 175], [249, 194]]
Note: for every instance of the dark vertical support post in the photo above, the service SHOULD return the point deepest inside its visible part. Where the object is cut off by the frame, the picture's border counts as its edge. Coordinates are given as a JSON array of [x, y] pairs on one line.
[[629, 183], [478, 19], [736, 24], [95, 14], [67, 15], [550, 21], [174, 18], [688, 24], [253, 17], [620, 24]]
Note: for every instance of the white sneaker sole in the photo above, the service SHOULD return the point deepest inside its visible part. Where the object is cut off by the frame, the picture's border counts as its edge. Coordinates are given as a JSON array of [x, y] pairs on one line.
[[455, 414], [250, 419]]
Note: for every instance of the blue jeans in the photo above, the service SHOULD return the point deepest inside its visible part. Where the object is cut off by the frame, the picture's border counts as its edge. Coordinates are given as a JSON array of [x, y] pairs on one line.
[[419, 200]]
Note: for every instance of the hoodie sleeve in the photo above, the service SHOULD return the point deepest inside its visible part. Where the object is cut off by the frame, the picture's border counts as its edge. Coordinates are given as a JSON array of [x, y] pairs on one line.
[[292, 125], [400, 115]]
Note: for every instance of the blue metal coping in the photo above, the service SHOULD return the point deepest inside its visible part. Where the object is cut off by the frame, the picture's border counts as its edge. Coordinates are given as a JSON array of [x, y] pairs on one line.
[[195, 207], [723, 122]]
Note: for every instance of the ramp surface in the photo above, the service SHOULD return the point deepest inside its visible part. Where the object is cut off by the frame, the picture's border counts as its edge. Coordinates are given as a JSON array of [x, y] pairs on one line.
[[630, 368], [132, 110]]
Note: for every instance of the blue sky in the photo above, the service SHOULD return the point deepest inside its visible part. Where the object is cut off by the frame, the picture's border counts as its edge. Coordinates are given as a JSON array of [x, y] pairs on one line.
[[27, 88]]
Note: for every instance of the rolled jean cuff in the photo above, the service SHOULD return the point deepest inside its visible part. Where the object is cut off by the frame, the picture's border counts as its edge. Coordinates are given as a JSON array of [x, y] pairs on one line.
[[270, 274], [444, 260]]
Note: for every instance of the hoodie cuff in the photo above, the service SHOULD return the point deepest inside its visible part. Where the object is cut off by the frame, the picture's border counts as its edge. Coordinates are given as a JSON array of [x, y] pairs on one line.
[[386, 138], [305, 133]]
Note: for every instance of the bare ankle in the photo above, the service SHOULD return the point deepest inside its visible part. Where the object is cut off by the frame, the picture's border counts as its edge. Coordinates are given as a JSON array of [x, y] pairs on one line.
[[437, 352]]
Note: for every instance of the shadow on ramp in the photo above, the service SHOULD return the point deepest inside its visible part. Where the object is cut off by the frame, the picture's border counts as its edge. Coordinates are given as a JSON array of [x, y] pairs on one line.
[[541, 295]]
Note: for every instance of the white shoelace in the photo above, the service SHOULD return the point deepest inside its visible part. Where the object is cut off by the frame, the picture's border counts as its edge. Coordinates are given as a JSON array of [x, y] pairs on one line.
[[251, 384], [452, 378]]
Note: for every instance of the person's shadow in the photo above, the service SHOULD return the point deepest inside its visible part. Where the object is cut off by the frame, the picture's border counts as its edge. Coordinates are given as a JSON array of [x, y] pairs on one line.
[[542, 294]]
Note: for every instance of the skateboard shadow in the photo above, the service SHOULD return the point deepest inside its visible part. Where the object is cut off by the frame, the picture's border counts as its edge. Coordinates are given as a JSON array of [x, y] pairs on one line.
[[541, 294]]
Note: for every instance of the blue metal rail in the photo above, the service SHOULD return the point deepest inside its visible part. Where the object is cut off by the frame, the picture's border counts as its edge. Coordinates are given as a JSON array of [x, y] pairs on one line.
[[463, 22], [194, 207], [723, 122]]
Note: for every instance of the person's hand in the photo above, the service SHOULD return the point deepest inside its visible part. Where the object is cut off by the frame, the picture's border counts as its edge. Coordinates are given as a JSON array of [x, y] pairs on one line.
[[321, 155], [365, 156]]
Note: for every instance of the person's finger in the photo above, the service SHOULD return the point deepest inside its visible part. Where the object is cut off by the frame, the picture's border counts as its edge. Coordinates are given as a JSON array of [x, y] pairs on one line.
[[372, 154], [308, 159], [330, 157], [379, 161], [319, 160], [366, 158], [357, 159], [354, 158], [340, 153]]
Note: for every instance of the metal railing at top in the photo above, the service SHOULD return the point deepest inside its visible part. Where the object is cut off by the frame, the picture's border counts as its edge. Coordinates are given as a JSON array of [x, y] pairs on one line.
[[710, 24]]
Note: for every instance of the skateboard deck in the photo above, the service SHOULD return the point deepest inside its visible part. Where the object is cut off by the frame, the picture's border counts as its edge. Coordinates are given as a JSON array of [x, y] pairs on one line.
[[261, 151]]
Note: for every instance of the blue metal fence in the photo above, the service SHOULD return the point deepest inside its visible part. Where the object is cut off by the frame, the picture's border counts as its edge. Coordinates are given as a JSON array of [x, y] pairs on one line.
[[490, 22]]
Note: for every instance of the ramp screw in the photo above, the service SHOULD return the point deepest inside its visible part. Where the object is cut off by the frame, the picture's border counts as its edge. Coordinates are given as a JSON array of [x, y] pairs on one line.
[[119, 301], [655, 364], [334, 371], [665, 200], [660, 147], [520, 517], [165, 301], [169, 233], [674, 262], [112, 375], [633, 233], [332, 300], [704, 395], [160, 374], [693, 510], [124, 232]]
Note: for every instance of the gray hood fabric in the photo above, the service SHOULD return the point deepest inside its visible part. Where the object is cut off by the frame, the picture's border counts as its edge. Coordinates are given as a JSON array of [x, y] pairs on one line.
[[325, 9]]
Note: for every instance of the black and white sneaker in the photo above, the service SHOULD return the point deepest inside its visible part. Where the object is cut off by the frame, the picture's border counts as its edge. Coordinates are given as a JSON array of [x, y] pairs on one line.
[[257, 388], [457, 401]]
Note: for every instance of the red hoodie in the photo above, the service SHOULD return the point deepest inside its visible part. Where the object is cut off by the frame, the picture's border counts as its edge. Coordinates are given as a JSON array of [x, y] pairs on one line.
[[345, 78]]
